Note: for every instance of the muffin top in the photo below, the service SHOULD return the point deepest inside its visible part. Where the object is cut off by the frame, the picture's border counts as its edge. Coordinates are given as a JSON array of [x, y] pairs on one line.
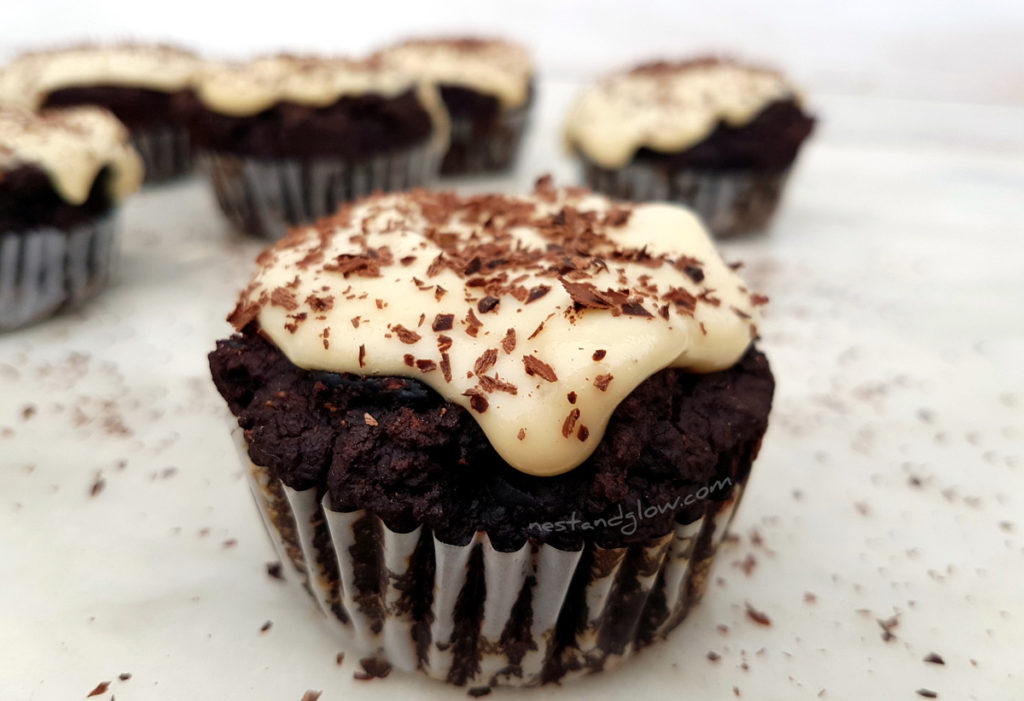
[[538, 313], [248, 88], [668, 107], [71, 146], [494, 67], [27, 80]]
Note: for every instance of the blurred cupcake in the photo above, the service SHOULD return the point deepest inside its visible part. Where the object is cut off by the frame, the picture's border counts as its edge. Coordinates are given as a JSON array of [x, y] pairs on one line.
[[62, 176], [499, 439], [137, 82], [713, 134], [487, 86], [287, 139]]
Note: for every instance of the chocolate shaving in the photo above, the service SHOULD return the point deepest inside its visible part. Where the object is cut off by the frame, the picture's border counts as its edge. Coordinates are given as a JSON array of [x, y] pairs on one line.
[[536, 366], [758, 617], [405, 335], [362, 356], [426, 365], [486, 361], [583, 433], [101, 688], [443, 322], [522, 434], [491, 383], [636, 309], [599, 354], [446, 367], [283, 297], [477, 400], [488, 304], [320, 304], [508, 343], [570, 422], [537, 292], [602, 381]]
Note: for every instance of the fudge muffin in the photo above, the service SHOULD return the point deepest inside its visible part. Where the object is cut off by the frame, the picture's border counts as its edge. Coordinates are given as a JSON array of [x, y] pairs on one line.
[[137, 82], [286, 139], [62, 177], [487, 86], [716, 135], [498, 438]]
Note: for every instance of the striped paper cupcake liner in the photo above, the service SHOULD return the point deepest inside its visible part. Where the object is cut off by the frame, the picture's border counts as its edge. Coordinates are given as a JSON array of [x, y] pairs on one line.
[[476, 149], [47, 269], [469, 614], [729, 202], [265, 196], [165, 151]]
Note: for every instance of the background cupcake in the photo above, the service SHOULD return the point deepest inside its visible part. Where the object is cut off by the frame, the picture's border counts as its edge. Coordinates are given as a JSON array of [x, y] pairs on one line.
[[287, 138], [713, 134], [487, 86], [62, 176], [137, 82], [535, 415]]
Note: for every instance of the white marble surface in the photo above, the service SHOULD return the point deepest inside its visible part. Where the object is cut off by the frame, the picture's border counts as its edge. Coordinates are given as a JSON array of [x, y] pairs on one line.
[[889, 484]]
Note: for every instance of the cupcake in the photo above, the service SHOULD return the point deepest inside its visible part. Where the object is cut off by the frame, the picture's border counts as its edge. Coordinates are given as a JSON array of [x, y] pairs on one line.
[[716, 135], [499, 439], [62, 177], [137, 82], [487, 86], [286, 139]]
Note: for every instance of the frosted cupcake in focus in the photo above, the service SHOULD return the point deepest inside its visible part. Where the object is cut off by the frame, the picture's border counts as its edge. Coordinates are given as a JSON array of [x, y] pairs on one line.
[[138, 83], [499, 439], [63, 175], [487, 87], [716, 135]]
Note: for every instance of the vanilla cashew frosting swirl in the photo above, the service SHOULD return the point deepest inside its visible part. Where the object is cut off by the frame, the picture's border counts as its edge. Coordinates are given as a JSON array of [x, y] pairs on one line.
[[538, 314], [492, 67], [71, 146], [30, 78], [668, 107]]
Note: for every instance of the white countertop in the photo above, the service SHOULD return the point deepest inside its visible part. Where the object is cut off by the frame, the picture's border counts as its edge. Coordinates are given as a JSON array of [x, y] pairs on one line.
[[890, 482]]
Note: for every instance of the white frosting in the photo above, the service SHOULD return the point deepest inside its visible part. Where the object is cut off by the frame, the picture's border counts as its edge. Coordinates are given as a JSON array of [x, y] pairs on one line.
[[27, 80], [71, 146], [243, 89], [396, 310], [492, 67], [667, 107]]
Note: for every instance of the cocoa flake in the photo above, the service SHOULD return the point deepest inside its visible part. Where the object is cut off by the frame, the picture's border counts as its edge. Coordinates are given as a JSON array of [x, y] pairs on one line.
[[536, 366]]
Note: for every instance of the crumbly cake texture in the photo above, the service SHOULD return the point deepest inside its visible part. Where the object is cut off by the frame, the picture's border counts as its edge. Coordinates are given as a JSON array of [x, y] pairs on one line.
[[72, 147], [30, 79], [396, 448], [492, 67], [731, 114], [308, 107], [538, 314]]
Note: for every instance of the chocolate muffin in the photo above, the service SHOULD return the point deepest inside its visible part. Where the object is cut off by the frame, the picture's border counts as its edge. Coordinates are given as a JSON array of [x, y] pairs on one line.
[[62, 176], [499, 439], [715, 135], [137, 82], [286, 139], [487, 86]]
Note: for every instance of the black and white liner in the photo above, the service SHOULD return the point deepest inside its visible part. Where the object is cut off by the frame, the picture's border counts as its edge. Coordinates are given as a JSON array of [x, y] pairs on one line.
[[476, 149], [265, 196], [47, 269], [165, 150], [472, 615], [729, 202]]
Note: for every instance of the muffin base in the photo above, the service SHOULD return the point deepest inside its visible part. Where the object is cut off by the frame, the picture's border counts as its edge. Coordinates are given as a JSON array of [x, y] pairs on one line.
[[265, 196], [484, 147], [729, 202], [165, 150], [469, 614], [47, 269]]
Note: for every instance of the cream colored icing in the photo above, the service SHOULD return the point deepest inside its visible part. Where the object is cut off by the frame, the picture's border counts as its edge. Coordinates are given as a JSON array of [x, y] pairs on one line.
[[307, 310], [27, 80], [71, 146], [491, 67], [667, 107], [245, 89]]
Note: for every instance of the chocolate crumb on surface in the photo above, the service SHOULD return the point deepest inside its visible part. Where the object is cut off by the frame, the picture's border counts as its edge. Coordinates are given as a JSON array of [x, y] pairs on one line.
[[124, 676], [311, 695], [888, 625], [274, 570], [101, 688], [373, 668], [339, 659], [934, 658], [266, 626], [758, 617], [713, 656], [928, 693]]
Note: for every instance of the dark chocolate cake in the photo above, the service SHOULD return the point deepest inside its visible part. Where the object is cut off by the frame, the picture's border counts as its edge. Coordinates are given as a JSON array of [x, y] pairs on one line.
[[499, 439]]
